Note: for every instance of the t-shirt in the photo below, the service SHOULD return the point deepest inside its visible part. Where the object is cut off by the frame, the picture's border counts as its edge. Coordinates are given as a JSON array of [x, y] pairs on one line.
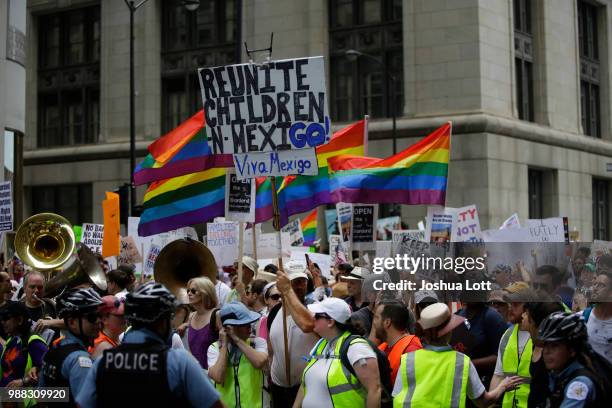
[[600, 335], [300, 344], [315, 380], [523, 338], [212, 354], [46, 309], [475, 388]]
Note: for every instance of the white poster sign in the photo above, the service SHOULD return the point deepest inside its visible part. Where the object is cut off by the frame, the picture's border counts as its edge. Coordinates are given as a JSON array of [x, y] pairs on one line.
[[280, 105], [547, 229], [467, 225], [222, 240], [92, 235], [294, 229], [239, 198], [282, 163], [439, 225], [6, 207]]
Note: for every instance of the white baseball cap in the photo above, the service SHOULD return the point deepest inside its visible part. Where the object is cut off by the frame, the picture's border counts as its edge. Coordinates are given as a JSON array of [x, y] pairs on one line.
[[296, 270], [335, 308]]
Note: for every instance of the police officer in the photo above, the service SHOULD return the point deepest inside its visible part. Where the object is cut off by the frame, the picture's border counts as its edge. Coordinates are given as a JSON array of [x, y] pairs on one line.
[[67, 363], [143, 366]]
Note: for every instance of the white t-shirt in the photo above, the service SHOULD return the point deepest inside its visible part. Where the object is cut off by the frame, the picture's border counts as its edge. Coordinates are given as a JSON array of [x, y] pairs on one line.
[[317, 393], [600, 335], [523, 338], [300, 344], [222, 290], [212, 354]]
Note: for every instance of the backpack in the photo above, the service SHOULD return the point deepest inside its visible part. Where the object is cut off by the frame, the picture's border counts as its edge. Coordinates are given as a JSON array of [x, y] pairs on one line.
[[384, 369]]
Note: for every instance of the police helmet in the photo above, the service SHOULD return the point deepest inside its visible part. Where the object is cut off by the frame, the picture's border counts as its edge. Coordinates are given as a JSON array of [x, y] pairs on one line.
[[563, 326], [149, 303], [78, 302]]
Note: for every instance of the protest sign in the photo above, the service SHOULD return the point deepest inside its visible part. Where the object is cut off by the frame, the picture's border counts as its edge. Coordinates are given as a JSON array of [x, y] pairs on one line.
[[547, 230], [154, 250], [345, 221], [294, 229], [384, 249], [222, 240], [364, 226], [399, 237], [337, 250], [440, 221], [467, 225], [331, 221], [268, 246], [512, 222], [279, 105], [385, 227], [129, 252], [6, 207], [239, 198], [92, 236], [282, 163]]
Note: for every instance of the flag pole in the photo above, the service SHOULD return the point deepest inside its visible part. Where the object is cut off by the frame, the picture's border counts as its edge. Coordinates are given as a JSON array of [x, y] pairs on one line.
[[276, 222], [240, 249]]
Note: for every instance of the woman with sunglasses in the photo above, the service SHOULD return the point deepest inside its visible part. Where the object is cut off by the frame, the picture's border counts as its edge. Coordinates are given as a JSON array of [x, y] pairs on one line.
[[272, 298], [199, 333], [23, 349], [326, 371]]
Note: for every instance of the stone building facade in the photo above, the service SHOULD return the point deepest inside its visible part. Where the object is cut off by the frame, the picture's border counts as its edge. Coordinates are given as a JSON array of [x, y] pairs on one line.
[[526, 83]]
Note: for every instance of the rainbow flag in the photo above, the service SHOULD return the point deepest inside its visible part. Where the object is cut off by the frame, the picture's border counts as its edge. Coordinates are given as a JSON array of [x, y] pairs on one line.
[[309, 228], [417, 175], [189, 153], [183, 201], [264, 210], [303, 193]]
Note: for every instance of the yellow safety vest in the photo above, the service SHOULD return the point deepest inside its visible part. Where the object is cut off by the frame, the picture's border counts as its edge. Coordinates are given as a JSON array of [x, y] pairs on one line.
[[512, 364], [433, 379], [243, 385], [344, 388]]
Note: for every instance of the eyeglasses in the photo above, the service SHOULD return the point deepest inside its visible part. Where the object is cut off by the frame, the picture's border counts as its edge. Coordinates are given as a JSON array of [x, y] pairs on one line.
[[322, 316], [275, 296], [92, 317], [193, 291]]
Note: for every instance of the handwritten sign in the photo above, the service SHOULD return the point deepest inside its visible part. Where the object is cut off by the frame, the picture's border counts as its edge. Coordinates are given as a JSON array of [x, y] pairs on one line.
[[547, 230], [239, 198], [154, 250], [92, 236], [6, 207], [401, 237], [467, 225], [128, 252], [222, 240], [294, 229], [278, 105], [281, 163]]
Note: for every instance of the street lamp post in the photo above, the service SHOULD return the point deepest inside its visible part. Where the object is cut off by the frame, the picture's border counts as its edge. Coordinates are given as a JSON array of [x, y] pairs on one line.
[[354, 55]]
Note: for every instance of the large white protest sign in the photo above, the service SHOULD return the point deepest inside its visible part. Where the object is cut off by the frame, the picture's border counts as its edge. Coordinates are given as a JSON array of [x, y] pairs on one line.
[[281, 163], [92, 235], [345, 221], [364, 226], [467, 225], [440, 221], [278, 105], [222, 240], [322, 260], [547, 230], [294, 229], [6, 207], [239, 198]]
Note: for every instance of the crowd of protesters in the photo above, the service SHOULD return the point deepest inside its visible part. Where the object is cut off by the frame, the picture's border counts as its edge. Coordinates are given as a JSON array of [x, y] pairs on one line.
[[293, 338]]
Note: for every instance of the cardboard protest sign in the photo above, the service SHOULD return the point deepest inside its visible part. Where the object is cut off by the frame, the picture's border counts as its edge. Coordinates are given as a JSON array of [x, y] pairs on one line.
[[222, 240], [129, 252], [467, 225], [385, 227], [294, 229], [149, 264], [280, 105], [282, 163], [239, 198], [6, 207], [345, 221], [512, 222], [440, 221], [92, 236], [364, 226]]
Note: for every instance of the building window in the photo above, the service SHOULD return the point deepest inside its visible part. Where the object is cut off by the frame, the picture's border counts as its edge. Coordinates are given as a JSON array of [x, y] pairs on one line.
[[589, 69], [601, 209], [190, 40], [69, 77], [363, 86], [73, 201], [536, 194], [523, 58]]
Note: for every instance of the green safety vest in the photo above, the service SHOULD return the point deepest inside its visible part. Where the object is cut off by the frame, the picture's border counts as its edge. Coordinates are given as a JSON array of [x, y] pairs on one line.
[[344, 388], [512, 364], [243, 385], [433, 379]]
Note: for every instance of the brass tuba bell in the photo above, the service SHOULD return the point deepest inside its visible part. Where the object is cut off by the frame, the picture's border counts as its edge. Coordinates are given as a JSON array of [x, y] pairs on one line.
[[46, 243], [182, 260]]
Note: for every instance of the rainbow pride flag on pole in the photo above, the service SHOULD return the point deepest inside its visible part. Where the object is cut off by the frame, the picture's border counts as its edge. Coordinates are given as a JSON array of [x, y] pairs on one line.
[[183, 201], [417, 175], [303, 193], [309, 228]]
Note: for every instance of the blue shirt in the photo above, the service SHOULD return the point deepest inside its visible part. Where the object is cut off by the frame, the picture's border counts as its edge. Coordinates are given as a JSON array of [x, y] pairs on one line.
[[186, 378], [578, 392], [76, 366]]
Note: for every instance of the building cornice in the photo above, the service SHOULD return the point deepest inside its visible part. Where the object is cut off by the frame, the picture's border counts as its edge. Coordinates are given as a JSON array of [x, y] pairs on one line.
[[378, 129]]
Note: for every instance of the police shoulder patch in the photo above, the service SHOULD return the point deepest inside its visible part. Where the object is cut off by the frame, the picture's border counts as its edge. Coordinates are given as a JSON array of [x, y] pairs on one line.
[[85, 362], [577, 390]]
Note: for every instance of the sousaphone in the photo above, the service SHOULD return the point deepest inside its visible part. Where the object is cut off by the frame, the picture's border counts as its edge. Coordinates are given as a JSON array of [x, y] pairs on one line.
[[46, 243], [182, 260]]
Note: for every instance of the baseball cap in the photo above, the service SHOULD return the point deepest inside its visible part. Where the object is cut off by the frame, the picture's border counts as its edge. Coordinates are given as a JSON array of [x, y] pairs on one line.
[[237, 314], [296, 270], [439, 315], [112, 305], [335, 308]]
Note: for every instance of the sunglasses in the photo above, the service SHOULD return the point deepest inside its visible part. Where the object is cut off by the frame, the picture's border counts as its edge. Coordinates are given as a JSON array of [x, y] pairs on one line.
[[92, 317], [275, 296], [321, 316], [193, 291]]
